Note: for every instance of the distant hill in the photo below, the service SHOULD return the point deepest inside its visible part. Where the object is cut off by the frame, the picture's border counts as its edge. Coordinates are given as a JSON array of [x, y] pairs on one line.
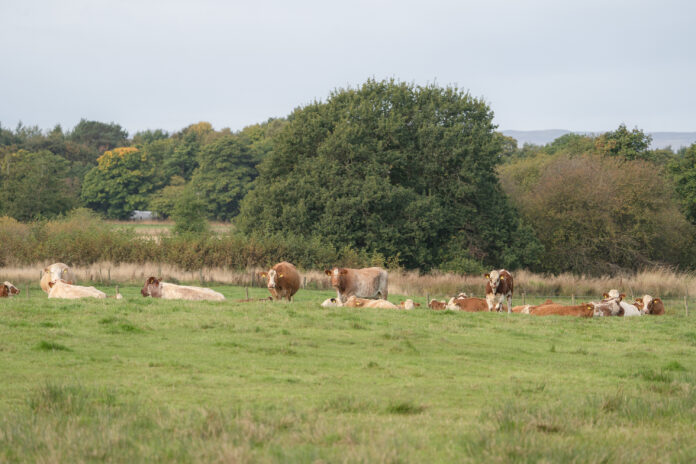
[[675, 140]]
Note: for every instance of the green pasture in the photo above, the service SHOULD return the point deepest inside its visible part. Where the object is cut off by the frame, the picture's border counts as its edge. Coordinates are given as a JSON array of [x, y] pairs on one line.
[[143, 380]]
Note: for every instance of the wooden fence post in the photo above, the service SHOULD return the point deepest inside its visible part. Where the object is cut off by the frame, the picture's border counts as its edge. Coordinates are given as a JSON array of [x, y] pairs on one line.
[[304, 282], [572, 299], [27, 290], [246, 289], [524, 298], [686, 305]]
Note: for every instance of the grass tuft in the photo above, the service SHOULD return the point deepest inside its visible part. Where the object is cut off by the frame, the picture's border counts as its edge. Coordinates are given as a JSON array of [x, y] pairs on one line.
[[43, 345]]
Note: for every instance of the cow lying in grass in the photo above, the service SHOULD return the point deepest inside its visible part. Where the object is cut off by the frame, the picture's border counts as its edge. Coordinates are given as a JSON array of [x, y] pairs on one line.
[[581, 310], [64, 290], [470, 305], [157, 289], [355, 302], [437, 305], [7, 289], [650, 305]]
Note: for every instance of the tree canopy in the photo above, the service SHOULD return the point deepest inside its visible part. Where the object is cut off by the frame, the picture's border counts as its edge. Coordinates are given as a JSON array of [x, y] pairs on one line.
[[394, 168]]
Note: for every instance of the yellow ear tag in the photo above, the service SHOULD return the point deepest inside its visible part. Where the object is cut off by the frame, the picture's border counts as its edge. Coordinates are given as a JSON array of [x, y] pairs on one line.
[[502, 277], [280, 275]]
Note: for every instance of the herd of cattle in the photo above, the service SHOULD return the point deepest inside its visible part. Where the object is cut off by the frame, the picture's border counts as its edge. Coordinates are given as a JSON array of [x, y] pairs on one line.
[[367, 288]]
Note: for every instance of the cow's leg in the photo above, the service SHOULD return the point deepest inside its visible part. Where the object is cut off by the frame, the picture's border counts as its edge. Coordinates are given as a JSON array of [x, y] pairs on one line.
[[489, 301], [509, 302]]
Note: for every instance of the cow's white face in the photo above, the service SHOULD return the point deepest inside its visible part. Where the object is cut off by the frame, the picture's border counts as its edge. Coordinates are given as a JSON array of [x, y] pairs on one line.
[[494, 279], [613, 293], [272, 278], [647, 303]]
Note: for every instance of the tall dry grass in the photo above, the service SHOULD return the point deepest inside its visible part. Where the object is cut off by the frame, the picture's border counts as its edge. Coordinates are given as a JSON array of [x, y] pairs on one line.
[[658, 281]]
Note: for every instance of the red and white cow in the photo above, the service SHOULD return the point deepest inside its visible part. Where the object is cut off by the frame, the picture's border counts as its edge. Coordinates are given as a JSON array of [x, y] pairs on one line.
[[499, 287], [437, 305], [283, 281], [7, 289], [650, 305], [470, 305], [370, 282]]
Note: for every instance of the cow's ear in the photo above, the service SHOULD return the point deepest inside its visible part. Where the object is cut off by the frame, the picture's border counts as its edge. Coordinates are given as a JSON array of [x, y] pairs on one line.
[[51, 284], [151, 280], [327, 272], [263, 274], [280, 275], [333, 300], [502, 277], [343, 271], [487, 276], [605, 295], [657, 300], [623, 295]]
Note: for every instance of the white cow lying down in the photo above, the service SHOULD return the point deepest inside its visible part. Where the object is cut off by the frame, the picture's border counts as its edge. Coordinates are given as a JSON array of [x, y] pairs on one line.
[[157, 289], [61, 289]]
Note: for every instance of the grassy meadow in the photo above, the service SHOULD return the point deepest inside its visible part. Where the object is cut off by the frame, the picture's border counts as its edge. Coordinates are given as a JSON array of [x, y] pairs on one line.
[[143, 380]]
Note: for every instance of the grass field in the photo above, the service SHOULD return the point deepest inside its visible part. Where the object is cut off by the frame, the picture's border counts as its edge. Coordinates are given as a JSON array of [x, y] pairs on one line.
[[142, 380]]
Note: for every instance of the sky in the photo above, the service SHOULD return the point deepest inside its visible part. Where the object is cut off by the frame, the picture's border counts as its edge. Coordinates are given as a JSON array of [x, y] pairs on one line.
[[150, 64]]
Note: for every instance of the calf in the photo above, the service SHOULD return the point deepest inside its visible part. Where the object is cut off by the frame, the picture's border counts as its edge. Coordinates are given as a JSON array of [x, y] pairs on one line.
[[7, 289], [283, 281], [64, 290], [650, 305], [55, 272], [470, 305], [331, 303], [525, 308], [581, 310], [157, 289], [408, 304], [499, 287], [437, 305], [369, 283]]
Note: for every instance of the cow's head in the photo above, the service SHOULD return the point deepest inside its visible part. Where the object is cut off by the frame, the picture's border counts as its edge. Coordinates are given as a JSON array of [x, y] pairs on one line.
[[337, 276], [650, 305], [4, 291], [613, 293], [273, 278], [494, 279], [11, 289], [152, 288]]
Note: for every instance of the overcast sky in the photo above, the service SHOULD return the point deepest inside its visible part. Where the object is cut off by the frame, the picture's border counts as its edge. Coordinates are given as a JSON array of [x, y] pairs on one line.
[[580, 65]]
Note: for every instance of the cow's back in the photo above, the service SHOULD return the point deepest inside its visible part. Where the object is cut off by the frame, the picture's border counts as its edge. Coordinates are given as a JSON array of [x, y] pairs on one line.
[[471, 305], [583, 310], [72, 292], [184, 292], [369, 282]]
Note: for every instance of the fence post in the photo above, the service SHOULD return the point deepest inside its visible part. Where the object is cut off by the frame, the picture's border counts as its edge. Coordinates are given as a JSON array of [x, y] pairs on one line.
[[524, 298], [427, 298], [304, 282], [572, 299], [109, 276], [27, 290], [246, 289], [686, 306], [200, 274]]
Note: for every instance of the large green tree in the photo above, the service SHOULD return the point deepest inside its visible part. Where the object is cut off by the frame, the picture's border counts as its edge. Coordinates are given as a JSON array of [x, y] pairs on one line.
[[683, 171], [392, 168], [121, 182], [226, 168], [34, 184]]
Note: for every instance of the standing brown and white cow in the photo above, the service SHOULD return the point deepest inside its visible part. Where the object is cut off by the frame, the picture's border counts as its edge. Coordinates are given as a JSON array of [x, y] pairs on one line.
[[369, 282], [283, 280], [499, 287], [54, 273]]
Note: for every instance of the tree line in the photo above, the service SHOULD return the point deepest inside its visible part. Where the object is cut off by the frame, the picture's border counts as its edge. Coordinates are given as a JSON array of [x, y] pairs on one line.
[[416, 174]]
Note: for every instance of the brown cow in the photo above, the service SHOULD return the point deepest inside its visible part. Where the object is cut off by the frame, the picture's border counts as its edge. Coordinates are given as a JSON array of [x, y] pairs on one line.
[[437, 305], [499, 287], [650, 305], [7, 289], [525, 308], [370, 282], [470, 305], [283, 281], [581, 310]]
